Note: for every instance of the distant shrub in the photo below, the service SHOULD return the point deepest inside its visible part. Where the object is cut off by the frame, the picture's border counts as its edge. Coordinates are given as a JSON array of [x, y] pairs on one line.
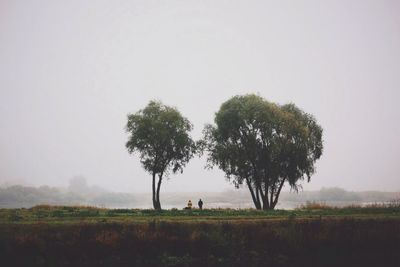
[[58, 213], [313, 205], [395, 203], [86, 213], [68, 208], [43, 207], [15, 216], [119, 212]]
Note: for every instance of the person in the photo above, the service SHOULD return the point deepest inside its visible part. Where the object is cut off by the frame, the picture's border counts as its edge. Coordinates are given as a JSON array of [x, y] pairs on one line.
[[189, 204], [200, 203]]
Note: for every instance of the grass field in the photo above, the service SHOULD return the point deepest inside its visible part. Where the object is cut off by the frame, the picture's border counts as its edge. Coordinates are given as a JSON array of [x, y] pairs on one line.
[[80, 214], [313, 235]]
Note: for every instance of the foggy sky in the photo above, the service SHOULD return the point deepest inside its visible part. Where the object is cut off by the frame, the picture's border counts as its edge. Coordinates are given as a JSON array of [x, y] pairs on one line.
[[70, 72]]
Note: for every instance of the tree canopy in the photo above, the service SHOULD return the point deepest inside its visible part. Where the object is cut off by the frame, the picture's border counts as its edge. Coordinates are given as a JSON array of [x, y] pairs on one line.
[[160, 135], [263, 145]]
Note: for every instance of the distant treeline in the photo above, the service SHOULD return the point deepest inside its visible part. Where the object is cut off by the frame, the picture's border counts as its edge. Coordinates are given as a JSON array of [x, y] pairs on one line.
[[18, 196]]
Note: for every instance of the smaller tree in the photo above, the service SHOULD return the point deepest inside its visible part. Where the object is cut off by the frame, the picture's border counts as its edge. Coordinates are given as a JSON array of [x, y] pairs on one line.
[[160, 134]]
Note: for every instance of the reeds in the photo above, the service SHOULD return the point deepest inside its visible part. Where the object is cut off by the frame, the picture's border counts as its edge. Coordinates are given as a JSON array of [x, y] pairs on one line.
[[297, 242]]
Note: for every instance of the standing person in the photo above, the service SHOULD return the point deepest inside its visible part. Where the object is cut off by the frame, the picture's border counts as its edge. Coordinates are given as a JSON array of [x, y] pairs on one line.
[[200, 203], [189, 204]]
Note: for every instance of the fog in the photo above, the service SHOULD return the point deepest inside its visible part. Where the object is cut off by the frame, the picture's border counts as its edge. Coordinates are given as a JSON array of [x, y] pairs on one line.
[[80, 193], [71, 71]]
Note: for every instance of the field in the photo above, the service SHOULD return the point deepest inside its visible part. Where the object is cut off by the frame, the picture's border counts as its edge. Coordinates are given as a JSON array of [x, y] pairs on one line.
[[313, 235]]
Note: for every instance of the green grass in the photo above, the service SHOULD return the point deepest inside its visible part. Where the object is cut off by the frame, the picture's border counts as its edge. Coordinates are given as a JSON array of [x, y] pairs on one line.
[[79, 214], [313, 235]]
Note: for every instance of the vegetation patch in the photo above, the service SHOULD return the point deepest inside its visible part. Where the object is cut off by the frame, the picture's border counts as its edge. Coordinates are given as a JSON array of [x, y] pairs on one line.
[[312, 235]]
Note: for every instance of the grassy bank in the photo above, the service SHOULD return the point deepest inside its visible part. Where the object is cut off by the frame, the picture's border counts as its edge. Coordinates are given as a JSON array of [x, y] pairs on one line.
[[82, 214], [311, 236]]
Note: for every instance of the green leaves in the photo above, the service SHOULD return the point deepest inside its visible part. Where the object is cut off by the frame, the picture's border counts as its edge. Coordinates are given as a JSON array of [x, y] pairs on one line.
[[160, 134], [264, 143]]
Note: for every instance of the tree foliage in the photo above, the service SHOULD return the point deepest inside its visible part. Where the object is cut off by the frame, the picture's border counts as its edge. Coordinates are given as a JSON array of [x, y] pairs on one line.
[[160, 135], [263, 145]]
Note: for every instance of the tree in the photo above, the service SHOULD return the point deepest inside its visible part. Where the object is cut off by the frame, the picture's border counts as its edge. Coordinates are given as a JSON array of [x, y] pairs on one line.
[[263, 145], [160, 134]]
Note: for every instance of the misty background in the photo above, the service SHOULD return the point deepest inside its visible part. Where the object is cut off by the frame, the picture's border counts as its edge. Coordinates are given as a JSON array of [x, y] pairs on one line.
[[71, 71], [79, 192]]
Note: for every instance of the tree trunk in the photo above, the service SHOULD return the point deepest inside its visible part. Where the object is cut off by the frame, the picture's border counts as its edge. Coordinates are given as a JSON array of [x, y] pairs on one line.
[[258, 194], [158, 192], [271, 198], [264, 197], [277, 194], [266, 203], [155, 206], [256, 204]]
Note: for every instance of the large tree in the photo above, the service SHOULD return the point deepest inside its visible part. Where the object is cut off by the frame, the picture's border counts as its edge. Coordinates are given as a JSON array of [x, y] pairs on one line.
[[263, 145], [160, 135]]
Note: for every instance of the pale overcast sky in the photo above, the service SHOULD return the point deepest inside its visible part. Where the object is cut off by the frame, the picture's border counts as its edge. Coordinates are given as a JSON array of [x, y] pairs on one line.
[[70, 72]]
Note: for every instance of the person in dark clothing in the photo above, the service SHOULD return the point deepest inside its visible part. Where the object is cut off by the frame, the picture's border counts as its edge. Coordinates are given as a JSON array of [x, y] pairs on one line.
[[200, 203]]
